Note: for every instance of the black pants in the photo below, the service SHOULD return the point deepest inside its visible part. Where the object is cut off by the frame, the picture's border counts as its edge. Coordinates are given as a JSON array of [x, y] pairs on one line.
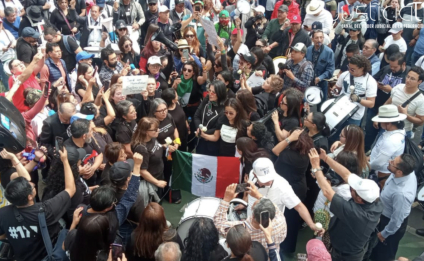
[[293, 220], [338, 256], [387, 251]]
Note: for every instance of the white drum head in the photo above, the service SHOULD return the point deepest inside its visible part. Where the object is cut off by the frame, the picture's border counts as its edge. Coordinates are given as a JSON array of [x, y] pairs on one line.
[[326, 104], [277, 60], [6, 68], [243, 6], [313, 95]]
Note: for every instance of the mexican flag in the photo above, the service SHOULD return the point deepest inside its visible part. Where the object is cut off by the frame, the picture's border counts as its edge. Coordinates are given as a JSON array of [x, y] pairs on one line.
[[202, 175]]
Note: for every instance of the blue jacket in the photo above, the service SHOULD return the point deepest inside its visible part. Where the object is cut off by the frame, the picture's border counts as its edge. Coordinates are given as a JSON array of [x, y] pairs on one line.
[[324, 67], [372, 11]]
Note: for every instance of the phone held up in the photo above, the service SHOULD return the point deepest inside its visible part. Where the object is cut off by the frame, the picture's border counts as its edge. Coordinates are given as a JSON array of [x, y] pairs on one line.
[[58, 144], [242, 187], [116, 252], [265, 219]]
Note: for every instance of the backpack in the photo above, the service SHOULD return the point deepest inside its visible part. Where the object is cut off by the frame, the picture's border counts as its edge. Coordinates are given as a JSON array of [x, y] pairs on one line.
[[66, 43], [412, 149], [262, 103]]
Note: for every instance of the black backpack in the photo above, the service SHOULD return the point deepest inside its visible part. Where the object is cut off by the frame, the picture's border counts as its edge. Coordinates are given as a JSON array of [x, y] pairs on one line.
[[412, 149], [262, 103]]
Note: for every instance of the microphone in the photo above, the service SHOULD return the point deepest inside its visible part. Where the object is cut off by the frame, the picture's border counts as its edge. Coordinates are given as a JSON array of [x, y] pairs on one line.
[[202, 128], [352, 89]]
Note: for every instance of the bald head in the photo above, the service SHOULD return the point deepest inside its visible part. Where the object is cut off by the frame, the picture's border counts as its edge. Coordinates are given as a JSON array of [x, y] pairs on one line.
[[169, 251], [67, 108]]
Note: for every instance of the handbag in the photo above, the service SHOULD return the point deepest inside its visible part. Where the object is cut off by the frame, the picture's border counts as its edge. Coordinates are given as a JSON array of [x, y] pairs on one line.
[[6, 251]]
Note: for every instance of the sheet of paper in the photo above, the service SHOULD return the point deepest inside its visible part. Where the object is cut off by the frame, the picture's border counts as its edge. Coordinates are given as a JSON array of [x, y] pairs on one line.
[[255, 81], [210, 30], [134, 84]]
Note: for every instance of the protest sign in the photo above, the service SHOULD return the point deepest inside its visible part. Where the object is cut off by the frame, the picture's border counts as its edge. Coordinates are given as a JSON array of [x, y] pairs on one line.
[[210, 30], [134, 84]]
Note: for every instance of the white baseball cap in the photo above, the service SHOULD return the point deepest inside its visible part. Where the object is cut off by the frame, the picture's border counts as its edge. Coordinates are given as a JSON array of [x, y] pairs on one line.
[[264, 170], [163, 9], [154, 60], [396, 28], [259, 9], [367, 189]]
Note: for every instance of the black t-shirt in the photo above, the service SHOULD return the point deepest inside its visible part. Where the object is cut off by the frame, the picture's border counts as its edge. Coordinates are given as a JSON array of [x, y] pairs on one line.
[[79, 86], [5, 176], [105, 179], [409, 16], [254, 116], [166, 129], [352, 224], [180, 121], [25, 51], [152, 153], [229, 135], [92, 150], [129, 57], [69, 58], [292, 166], [125, 131], [101, 140], [289, 123], [320, 142], [25, 237]]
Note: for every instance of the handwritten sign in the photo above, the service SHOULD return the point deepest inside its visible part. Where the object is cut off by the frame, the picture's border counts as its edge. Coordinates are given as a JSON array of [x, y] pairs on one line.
[[255, 81], [210, 30], [134, 84]]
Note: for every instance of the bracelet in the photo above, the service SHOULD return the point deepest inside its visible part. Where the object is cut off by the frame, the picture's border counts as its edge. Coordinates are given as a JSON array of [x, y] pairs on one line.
[[14, 165], [287, 140], [223, 52], [177, 141]]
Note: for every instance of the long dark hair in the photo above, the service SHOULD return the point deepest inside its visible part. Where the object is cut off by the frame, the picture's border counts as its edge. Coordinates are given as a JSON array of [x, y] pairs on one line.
[[240, 242], [260, 55], [148, 48], [202, 239], [350, 161], [56, 177], [92, 236], [240, 113], [355, 142], [318, 118], [228, 77], [261, 133], [149, 232], [82, 70], [304, 144], [122, 42], [249, 149], [195, 69], [220, 90], [247, 100], [294, 100]]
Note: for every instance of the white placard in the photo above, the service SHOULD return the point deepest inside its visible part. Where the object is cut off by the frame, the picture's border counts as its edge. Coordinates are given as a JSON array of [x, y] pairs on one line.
[[134, 84], [255, 81], [211, 31]]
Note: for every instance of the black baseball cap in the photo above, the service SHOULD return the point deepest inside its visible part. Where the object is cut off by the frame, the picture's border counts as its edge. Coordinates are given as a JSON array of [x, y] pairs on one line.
[[121, 170], [179, 2], [248, 57], [120, 24], [316, 25]]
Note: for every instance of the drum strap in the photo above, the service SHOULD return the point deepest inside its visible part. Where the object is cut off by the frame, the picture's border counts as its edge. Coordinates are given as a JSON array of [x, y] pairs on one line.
[[352, 82]]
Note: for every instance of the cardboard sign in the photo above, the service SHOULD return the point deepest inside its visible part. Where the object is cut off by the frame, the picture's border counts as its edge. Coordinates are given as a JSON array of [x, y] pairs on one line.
[[255, 81], [210, 30], [134, 84]]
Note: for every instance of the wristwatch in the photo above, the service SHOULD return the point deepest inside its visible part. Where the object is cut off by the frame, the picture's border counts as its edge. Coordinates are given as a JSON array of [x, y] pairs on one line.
[[287, 140], [316, 170]]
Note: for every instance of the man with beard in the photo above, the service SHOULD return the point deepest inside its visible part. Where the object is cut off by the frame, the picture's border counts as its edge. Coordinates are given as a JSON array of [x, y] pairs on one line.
[[289, 37], [224, 27], [111, 66], [387, 78], [54, 67], [292, 5], [82, 132]]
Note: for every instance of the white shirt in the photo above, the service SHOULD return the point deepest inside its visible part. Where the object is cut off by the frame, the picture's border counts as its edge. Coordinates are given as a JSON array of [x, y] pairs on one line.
[[280, 193], [364, 85], [415, 107], [37, 121], [388, 146], [420, 63], [401, 43], [342, 190], [73, 78], [5, 40], [12, 3], [324, 17]]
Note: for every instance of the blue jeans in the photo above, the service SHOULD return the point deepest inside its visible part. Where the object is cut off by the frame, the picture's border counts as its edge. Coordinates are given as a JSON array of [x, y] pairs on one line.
[[335, 137], [4, 77], [409, 134], [415, 57], [408, 54]]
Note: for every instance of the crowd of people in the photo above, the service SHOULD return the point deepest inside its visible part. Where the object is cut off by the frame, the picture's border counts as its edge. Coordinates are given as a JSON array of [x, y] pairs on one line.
[[98, 161]]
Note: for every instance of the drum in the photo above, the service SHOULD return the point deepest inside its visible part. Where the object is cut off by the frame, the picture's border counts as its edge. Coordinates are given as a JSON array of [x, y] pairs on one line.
[[6, 68], [277, 60], [202, 207], [93, 50], [338, 110], [243, 6]]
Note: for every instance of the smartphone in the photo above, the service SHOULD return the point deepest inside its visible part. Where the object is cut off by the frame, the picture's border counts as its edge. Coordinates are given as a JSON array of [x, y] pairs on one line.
[[242, 187], [265, 219], [47, 88], [381, 83], [116, 252], [197, 8], [185, 54], [59, 144]]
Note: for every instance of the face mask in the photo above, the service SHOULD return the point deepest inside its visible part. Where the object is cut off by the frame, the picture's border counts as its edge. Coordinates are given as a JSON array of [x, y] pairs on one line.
[[259, 16], [224, 22]]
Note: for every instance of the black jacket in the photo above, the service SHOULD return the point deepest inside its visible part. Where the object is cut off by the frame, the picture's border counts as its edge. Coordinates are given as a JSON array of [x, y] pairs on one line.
[[283, 41], [253, 31], [52, 128], [85, 33]]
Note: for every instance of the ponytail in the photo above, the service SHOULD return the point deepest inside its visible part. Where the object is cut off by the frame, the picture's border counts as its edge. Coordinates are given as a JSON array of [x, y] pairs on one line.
[[325, 130], [247, 257]]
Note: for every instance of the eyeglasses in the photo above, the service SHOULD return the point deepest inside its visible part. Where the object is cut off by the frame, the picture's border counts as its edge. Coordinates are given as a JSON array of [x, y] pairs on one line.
[[126, 46], [283, 103], [229, 113], [187, 70], [162, 111], [210, 91], [189, 36], [152, 4], [122, 29]]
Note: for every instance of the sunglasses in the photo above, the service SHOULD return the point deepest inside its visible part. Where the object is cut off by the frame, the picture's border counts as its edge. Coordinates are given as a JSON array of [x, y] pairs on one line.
[[122, 29], [187, 70], [229, 113], [210, 91], [189, 36], [152, 4], [127, 45]]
